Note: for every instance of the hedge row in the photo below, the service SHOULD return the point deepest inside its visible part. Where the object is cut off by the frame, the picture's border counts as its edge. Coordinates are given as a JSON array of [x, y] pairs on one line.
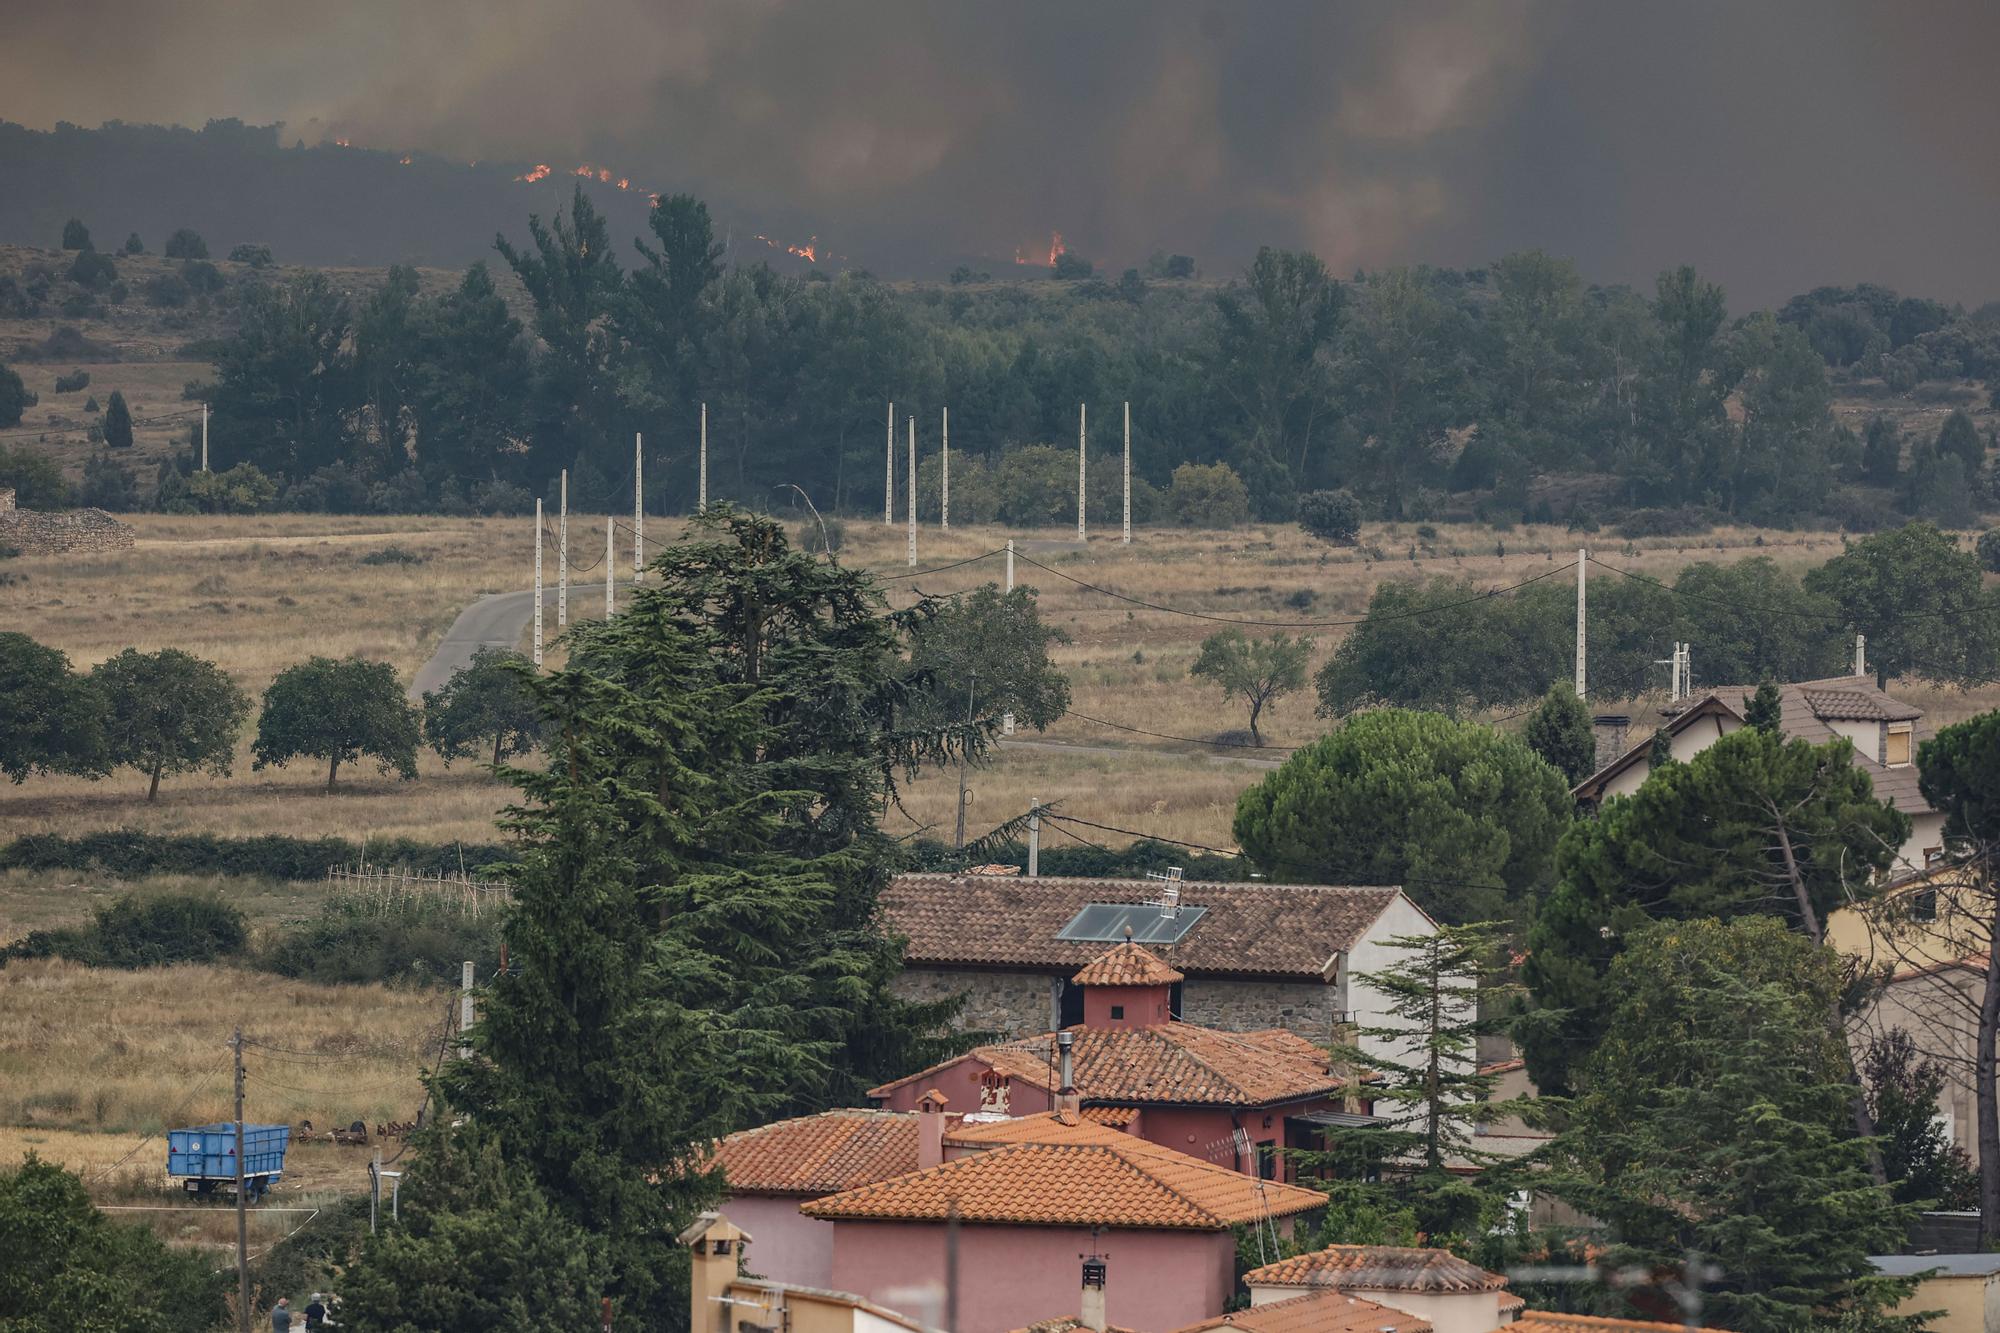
[[130, 854]]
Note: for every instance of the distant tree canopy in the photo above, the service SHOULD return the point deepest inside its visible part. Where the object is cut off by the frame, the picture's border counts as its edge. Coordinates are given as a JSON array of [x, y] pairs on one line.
[[117, 422], [486, 708], [75, 235], [186, 243], [337, 711], [986, 653], [51, 720], [1920, 601], [168, 712]]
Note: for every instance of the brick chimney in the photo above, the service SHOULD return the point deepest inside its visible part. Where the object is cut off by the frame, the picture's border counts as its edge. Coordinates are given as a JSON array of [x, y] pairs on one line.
[[1610, 729], [1090, 1313], [930, 1129], [716, 1244], [1067, 1101]]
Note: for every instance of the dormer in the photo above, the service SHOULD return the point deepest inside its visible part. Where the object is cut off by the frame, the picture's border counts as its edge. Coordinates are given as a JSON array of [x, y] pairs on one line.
[[1129, 987]]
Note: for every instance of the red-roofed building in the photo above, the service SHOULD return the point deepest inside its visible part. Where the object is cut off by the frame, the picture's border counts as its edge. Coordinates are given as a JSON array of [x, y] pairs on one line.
[[1435, 1285]]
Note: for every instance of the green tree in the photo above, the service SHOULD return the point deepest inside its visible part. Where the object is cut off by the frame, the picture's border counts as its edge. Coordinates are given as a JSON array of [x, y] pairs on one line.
[[468, 384], [1208, 495], [256, 256], [1331, 516], [169, 712], [1881, 451], [1753, 620], [1918, 599], [1712, 1120], [1959, 438], [286, 389], [1924, 1166], [1463, 817], [133, 245], [70, 1269], [1277, 330], [93, 271], [989, 650], [1037, 484], [489, 699], [51, 720], [1259, 671], [1068, 267], [117, 422], [108, 484], [243, 489], [14, 396], [479, 1249], [75, 236], [186, 243], [669, 297], [1988, 550], [34, 477], [1560, 731], [1443, 993], [1766, 710], [1754, 824], [337, 711]]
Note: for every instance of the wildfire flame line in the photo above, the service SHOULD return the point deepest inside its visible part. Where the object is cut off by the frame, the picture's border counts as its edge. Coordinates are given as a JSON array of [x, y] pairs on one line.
[[1056, 250]]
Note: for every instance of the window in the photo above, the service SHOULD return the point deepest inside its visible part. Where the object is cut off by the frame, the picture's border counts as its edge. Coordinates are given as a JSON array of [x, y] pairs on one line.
[[1267, 1161], [1923, 905], [1118, 1011], [1896, 749]]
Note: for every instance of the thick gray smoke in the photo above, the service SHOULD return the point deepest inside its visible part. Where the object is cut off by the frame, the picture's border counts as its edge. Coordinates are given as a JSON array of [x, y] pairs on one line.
[[1775, 145]]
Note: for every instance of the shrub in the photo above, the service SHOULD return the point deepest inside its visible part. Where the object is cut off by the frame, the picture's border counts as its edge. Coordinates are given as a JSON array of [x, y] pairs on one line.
[[72, 382], [203, 276], [1208, 496], [167, 291], [256, 256], [133, 245], [151, 930], [1069, 267], [130, 854], [820, 537], [1331, 516], [1684, 521], [118, 422], [92, 270], [412, 939], [90, 406], [1989, 550], [186, 243], [76, 236], [68, 343], [393, 555], [501, 497]]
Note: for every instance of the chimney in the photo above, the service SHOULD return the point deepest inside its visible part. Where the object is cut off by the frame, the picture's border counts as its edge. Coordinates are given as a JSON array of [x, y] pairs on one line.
[[716, 1244], [930, 1129], [1610, 731], [1067, 1101], [1861, 654], [1091, 1312]]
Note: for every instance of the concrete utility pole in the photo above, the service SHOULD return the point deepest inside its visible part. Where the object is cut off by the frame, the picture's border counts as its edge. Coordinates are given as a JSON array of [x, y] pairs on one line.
[[1861, 654], [562, 556], [204, 437], [1128, 474], [1082, 434], [242, 1217], [1582, 564], [944, 463], [539, 539], [638, 507], [913, 490], [701, 484], [609, 567], [464, 1009], [1010, 564], [889, 480], [1034, 837]]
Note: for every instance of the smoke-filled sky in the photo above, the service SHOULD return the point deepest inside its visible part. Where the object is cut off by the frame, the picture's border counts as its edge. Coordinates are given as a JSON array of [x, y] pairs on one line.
[[1776, 144]]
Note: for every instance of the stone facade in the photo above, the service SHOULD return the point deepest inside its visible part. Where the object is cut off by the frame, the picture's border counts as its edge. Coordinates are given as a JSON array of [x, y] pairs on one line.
[[73, 532], [1022, 1004]]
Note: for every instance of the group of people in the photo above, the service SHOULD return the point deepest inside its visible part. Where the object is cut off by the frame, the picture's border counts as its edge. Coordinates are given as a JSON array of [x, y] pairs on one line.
[[315, 1315]]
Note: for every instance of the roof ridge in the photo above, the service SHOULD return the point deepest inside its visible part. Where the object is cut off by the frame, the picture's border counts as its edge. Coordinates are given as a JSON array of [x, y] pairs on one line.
[[1124, 1154]]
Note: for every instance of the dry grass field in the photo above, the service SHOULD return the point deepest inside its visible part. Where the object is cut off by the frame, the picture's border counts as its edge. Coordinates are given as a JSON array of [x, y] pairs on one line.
[[256, 594]]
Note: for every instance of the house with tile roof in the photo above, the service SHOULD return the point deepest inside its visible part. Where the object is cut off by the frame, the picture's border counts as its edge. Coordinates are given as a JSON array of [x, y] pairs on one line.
[[723, 1300], [1545, 1321], [1885, 731], [1434, 1285], [1251, 955], [1327, 1311], [1237, 1099], [1152, 1227]]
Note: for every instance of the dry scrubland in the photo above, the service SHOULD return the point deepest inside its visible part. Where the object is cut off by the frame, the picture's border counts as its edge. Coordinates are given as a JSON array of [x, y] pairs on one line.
[[256, 594]]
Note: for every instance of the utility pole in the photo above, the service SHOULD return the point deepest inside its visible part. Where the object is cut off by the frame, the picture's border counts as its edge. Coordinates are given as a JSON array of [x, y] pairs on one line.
[[204, 437], [540, 538], [1861, 654], [1082, 433], [889, 481], [701, 484], [638, 507], [609, 567], [464, 1009], [1010, 564], [242, 1216], [1034, 836], [913, 490], [958, 837], [1128, 474], [1582, 564], [944, 463], [562, 556]]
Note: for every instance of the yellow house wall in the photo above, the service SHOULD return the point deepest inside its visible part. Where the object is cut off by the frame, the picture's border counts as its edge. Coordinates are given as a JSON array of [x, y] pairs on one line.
[[1970, 1304]]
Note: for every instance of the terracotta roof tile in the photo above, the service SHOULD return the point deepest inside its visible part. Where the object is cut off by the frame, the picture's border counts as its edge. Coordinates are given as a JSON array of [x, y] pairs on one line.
[[819, 1154], [1128, 1184], [1045, 1127], [1316, 1312], [1168, 1062], [1115, 1116], [1543, 1321], [1292, 930], [1128, 964], [1066, 1324], [1511, 1304], [1377, 1268]]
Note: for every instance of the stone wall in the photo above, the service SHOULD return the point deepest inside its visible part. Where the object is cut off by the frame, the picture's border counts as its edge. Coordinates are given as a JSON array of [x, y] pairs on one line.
[[74, 532], [1021, 1004]]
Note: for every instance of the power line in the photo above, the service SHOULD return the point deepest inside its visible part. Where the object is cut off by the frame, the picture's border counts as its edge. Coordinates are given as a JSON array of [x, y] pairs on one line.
[[168, 1119], [64, 431], [1161, 735], [920, 573]]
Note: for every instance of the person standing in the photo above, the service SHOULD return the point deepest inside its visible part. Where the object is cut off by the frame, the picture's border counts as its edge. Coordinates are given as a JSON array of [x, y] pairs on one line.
[[281, 1315], [316, 1312]]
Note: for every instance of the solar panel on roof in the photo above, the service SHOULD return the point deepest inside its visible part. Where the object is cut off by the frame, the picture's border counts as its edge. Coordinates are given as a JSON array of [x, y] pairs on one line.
[[1105, 923]]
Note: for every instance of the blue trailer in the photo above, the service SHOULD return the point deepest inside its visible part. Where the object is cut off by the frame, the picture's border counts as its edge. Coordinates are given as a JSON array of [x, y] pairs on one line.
[[205, 1157]]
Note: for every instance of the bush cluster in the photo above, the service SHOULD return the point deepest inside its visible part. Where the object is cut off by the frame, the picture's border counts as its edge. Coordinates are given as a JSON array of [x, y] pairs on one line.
[[144, 931], [130, 854]]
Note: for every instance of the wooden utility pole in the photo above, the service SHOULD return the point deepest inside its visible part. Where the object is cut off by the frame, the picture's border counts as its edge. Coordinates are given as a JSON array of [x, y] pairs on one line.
[[539, 538], [242, 1216]]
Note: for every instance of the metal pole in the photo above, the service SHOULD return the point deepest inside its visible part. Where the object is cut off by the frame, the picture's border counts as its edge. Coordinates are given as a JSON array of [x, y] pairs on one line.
[[913, 490], [1128, 474], [1034, 837], [609, 567], [944, 462], [1582, 564], [1010, 564], [538, 580], [204, 437], [702, 482], [889, 482], [562, 555], [638, 507], [242, 1216], [1082, 433]]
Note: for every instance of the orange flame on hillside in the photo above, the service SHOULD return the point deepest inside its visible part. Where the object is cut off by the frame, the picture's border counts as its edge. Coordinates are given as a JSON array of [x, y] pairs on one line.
[[343, 143], [1056, 249], [541, 172], [624, 183], [406, 159], [808, 252]]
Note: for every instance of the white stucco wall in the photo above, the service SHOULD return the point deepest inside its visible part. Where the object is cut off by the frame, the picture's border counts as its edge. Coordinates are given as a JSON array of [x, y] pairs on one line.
[[1374, 953]]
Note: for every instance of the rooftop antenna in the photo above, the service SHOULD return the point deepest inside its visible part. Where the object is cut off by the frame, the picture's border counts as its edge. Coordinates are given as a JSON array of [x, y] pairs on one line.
[[1169, 901]]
